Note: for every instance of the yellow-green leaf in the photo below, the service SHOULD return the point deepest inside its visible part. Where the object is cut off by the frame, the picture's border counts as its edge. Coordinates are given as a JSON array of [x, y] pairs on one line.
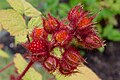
[[3, 54], [13, 22], [35, 21], [23, 7], [0, 27], [20, 64], [84, 74], [18, 7], [20, 39]]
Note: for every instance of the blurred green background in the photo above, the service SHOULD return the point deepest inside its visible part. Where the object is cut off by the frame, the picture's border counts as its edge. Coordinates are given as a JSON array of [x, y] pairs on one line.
[[108, 20]]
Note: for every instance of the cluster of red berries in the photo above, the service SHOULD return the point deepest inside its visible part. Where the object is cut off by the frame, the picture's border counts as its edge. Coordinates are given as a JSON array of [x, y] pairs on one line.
[[79, 24]]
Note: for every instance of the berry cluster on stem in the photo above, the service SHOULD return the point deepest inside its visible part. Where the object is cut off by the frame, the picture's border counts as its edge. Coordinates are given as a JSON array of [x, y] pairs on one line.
[[79, 25]]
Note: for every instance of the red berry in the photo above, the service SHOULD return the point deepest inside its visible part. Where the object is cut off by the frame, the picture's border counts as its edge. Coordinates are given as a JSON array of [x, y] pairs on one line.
[[51, 63], [37, 46], [51, 24]]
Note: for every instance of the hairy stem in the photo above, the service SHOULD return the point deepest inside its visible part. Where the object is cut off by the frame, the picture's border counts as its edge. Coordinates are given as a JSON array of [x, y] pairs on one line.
[[25, 70], [7, 66]]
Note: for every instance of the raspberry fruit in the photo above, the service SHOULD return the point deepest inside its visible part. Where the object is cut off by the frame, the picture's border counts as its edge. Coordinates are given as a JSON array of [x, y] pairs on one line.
[[37, 46], [50, 64]]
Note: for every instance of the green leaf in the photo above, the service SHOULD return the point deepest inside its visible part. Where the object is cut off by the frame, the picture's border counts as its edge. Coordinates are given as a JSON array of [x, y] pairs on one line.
[[112, 20], [35, 21], [24, 7], [107, 30], [74, 2], [35, 3], [13, 22], [21, 64], [51, 6], [5, 74], [20, 39], [114, 35], [110, 33], [63, 9], [52, 3], [3, 54], [105, 13], [3, 4], [85, 73]]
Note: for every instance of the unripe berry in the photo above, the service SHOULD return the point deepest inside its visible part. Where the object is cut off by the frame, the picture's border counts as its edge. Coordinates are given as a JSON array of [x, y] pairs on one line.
[[91, 41], [72, 57], [65, 69], [85, 22], [38, 33], [62, 37], [51, 24], [80, 20], [74, 15], [50, 64]]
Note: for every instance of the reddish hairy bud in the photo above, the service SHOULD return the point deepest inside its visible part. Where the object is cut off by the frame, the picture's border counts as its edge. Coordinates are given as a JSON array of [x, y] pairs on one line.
[[65, 69], [72, 57], [79, 19], [38, 33], [51, 64], [85, 22], [51, 24], [75, 13], [91, 41], [62, 37]]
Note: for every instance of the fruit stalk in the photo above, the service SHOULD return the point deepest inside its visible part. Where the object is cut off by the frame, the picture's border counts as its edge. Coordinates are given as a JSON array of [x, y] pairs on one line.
[[25, 70]]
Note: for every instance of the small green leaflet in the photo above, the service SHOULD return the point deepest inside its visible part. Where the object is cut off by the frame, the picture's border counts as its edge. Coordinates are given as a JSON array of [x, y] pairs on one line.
[[35, 21]]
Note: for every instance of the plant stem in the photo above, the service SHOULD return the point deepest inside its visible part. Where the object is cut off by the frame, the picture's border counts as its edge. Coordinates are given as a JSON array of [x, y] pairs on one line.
[[7, 66], [25, 70]]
